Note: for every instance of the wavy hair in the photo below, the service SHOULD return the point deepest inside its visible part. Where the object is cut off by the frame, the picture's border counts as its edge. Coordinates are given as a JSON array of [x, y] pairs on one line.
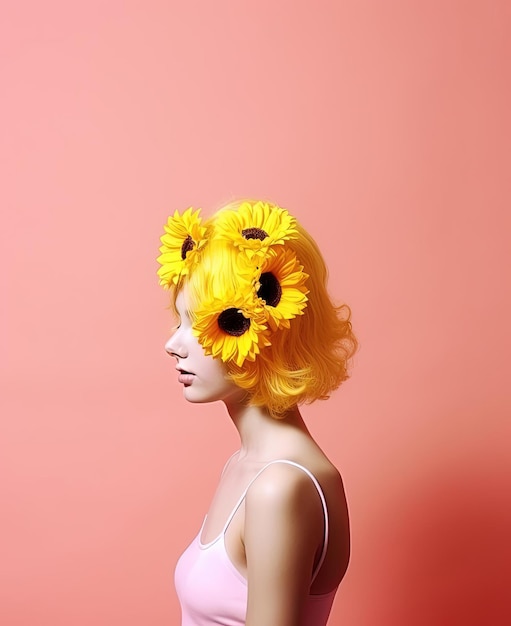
[[304, 362]]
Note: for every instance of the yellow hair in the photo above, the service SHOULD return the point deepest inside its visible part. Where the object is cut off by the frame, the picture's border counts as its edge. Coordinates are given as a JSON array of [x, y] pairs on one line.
[[305, 362]]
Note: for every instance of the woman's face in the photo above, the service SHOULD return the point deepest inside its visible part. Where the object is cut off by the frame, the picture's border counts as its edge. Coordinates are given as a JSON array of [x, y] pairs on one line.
[[203, 377]]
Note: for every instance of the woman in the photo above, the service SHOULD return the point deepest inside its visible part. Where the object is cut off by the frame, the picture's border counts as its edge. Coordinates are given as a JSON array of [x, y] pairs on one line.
[[258, 331]]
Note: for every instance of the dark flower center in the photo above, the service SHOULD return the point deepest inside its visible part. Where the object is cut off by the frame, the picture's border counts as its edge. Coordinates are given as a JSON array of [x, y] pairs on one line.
[[254, 233], [232, 322], [188, 244], [270, 290]]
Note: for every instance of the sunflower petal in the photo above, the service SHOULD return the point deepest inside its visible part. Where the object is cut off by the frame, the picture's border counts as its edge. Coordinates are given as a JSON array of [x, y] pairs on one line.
[[183, 237]]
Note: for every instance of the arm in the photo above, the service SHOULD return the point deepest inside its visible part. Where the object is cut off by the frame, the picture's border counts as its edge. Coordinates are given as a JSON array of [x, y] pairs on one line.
[[283, 533]]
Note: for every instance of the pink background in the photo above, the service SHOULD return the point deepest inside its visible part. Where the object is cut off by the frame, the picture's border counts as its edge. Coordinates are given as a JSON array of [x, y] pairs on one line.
[[383, 126]]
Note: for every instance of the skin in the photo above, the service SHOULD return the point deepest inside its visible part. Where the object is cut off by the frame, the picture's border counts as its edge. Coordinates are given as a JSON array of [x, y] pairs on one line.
[[276, 536]]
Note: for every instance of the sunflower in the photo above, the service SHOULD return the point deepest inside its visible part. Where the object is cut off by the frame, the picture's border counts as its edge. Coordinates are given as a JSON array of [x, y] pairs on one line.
[[183, 236], [255, 226], [281, 287], [232, 328]]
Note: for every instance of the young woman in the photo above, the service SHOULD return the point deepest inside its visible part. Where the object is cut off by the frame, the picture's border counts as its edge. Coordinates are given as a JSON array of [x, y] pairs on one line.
[[258, 331]]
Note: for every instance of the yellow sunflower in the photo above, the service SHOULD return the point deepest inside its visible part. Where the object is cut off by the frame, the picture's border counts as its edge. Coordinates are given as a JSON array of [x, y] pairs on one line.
[[231, 328], [281, 287], [255, 226], [183, 236]]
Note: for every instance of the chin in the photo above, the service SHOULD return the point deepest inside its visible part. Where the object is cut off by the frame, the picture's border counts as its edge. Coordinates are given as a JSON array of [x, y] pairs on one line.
[[198, 398], [203, 396]]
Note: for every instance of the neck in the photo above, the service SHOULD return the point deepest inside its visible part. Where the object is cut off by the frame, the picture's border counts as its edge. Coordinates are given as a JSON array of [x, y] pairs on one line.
[[263, 437]]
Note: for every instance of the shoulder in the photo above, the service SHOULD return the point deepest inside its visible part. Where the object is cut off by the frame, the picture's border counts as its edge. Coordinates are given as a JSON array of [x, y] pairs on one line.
[[283, 529], [284, 494], [282, 534]]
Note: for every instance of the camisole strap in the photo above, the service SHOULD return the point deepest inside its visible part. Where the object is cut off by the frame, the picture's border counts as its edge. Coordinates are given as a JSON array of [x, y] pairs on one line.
[[228, 461], [321, 495]]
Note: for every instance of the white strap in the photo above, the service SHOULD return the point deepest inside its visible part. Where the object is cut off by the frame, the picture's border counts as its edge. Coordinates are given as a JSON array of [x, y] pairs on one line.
[[228, 461], [321, 495]]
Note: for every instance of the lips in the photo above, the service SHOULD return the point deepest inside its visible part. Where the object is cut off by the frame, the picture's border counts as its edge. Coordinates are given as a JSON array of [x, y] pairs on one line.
[[185, 377]]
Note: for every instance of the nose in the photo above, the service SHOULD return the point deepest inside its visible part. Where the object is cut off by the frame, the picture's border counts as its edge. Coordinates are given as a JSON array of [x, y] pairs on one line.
[[175, 347]]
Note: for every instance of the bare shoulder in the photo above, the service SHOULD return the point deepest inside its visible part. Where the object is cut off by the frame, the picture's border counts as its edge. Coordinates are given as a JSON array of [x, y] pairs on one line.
[[285, 498], [281, 484], [287, 483], [283, 526]]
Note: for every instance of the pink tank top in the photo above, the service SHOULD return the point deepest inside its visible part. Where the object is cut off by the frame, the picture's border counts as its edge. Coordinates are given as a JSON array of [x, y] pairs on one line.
[[212, 592]]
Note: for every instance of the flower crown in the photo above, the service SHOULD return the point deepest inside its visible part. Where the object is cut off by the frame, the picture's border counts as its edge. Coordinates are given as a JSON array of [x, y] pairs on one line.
[[237, 325]]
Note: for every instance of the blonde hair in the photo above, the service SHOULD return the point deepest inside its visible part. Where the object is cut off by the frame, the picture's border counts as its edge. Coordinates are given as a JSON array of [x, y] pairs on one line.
[[304, 362]]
